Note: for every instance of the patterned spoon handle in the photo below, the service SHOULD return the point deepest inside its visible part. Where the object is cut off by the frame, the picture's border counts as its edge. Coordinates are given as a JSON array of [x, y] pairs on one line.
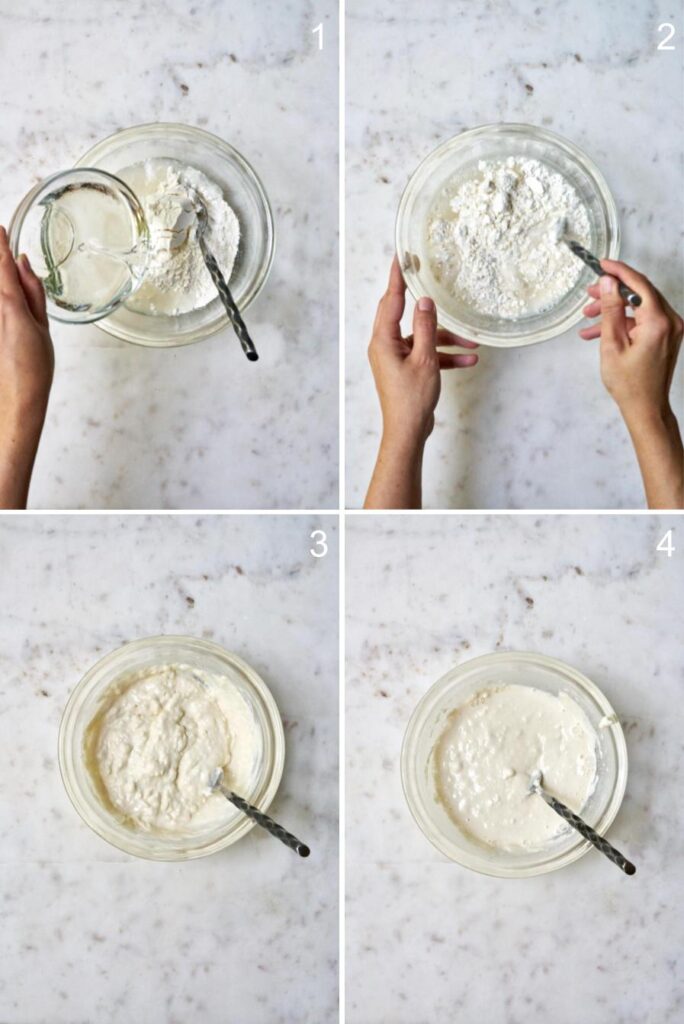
[[228, 302], [591, 261], [268, 823], [585, 830]]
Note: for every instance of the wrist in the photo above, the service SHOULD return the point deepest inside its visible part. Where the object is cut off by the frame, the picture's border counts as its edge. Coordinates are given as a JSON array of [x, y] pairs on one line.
[[408, 433], [408, 444], [648, 417]]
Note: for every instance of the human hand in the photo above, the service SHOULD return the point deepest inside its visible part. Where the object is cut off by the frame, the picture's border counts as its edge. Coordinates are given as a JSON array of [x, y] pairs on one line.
[[638, 358], [407, 370], [639, 353], [26, 369]]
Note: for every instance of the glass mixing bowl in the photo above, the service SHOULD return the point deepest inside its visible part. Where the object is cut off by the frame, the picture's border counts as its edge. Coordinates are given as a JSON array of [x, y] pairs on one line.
[[244, 193], [427, 724], [460, 155], [84, 703]]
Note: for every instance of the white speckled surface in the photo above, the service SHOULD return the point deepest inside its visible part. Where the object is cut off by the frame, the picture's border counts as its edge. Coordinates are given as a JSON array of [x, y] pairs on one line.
[[428, 940], [528, 428], [88, 934], [196, 427]]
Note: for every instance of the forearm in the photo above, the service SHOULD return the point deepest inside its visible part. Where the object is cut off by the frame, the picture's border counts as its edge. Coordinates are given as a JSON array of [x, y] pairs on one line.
[[18, 447], [658, 446], [397, 478]]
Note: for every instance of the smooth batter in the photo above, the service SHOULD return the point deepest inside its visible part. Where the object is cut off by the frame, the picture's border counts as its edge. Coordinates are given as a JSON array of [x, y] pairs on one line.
[[156, 740], [489, 748]]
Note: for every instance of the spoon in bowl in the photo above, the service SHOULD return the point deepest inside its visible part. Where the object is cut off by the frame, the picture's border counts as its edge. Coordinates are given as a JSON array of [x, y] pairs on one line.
[[219, 280], [580, 826], [562, 235], [216, 783]]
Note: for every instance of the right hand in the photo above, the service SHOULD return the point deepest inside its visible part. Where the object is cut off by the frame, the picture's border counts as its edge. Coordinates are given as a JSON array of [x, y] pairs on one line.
[[639, 354]]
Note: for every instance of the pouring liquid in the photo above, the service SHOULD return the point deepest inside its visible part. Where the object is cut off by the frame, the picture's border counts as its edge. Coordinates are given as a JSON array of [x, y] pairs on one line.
[[94, 246]]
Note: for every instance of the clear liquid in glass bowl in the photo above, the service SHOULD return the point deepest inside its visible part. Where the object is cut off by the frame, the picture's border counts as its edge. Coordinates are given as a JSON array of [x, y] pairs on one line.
[[85, 235]]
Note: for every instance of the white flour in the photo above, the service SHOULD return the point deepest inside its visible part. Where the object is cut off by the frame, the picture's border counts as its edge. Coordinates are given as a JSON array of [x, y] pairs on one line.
[[492, 238], [176, 280]]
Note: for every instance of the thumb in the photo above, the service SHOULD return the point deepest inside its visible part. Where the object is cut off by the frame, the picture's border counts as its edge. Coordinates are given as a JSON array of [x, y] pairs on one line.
[[613, 321], [424, 331]]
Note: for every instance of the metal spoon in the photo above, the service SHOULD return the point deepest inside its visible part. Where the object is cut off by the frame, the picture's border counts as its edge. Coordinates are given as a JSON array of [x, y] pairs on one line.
[[216, 782], [581, 826], [591, 261], [220, 282]]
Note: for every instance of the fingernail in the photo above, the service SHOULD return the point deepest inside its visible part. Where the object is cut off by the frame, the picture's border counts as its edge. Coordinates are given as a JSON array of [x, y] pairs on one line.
[[607, 284], [25, 260], [426, 305]]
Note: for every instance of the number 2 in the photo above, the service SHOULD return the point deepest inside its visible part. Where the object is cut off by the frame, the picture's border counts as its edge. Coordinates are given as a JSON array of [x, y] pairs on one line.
[[666, 544], [666, 38], [321, 541]]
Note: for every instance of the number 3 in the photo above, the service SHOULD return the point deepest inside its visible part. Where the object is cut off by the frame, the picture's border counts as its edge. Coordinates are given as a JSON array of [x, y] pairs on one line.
[[321, 541]]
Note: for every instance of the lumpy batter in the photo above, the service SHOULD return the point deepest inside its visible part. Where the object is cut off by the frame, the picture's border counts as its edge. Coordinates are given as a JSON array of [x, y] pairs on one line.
[[491, 745], [156, 740]]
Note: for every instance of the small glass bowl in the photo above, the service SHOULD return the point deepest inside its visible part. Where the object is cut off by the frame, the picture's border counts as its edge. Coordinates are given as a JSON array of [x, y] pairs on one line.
[[84, 703], [29, 233], [455, 689], [243, 191], [460, 155]]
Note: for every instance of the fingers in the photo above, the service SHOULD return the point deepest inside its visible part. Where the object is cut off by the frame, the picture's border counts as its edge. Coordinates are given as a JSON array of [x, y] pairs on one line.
[[613, 327], [424, 331], [594, 330], [450, 361], [391, 308], [446, 338], [592, 310], [9, 275], [650, 299], [33, 290]]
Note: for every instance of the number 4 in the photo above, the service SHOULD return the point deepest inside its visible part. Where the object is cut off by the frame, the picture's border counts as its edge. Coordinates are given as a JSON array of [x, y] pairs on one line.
[[667, 544]]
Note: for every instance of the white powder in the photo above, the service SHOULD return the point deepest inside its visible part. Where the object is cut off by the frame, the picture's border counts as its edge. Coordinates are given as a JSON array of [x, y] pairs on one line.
[[177, 280], [492, 237]]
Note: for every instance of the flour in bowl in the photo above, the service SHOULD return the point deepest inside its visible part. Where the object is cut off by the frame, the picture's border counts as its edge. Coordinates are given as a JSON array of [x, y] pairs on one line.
[[493, 237], [176, 279]]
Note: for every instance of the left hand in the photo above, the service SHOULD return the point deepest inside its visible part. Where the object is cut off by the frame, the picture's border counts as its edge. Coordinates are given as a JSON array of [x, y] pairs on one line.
[[407, 369]]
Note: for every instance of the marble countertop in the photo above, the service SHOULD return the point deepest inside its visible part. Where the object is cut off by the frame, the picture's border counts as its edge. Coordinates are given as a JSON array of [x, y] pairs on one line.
[[428, 940], [528, 428], [88, 933], [194, 427]]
